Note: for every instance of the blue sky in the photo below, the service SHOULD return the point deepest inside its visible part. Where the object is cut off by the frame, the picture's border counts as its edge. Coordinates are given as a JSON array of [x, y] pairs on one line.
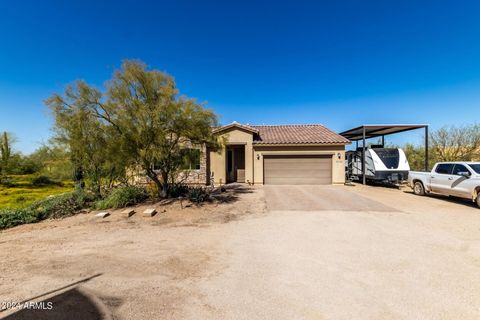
[[340, 63]]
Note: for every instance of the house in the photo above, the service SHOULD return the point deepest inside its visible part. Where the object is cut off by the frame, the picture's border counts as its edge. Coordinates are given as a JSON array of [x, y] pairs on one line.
[[273, 154]]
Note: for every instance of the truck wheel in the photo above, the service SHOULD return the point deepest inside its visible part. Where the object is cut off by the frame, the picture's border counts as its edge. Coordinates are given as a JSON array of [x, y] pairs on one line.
[[478, 200], [418, 189]]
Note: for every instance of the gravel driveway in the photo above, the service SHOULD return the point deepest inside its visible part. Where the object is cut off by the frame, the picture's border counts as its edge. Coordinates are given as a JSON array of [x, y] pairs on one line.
[[318, 198], [331, 252]]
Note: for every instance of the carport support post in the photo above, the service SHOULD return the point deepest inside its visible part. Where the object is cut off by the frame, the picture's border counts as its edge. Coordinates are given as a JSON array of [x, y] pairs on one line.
[[426, 148], [363, 157]]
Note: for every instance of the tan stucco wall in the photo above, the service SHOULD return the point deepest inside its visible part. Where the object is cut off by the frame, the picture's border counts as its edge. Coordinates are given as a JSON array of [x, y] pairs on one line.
[[338, 165], [254, 157], [218, 161]]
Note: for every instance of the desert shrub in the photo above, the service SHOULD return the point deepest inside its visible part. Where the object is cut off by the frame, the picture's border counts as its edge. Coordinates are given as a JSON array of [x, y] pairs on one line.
[[7, 182], [44, 181], [14, 217], [121, 197], [59, 206], [198, 194], [63, 205], [178, 190]]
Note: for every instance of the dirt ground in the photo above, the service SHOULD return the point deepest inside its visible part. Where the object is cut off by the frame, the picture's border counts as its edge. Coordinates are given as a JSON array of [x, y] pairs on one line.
[[273, 252]]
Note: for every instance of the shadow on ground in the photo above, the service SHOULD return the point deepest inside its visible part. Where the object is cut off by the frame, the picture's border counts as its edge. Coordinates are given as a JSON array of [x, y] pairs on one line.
[[450, 199], [231, 192], [73, 303]]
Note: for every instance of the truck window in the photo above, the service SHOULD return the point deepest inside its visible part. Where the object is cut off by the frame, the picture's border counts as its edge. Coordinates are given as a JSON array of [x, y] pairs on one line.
[[459, 168], [475, 167], [444, 168]]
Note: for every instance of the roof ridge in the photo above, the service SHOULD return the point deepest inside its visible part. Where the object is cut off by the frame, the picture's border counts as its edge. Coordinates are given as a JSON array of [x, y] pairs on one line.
[[287, 125]]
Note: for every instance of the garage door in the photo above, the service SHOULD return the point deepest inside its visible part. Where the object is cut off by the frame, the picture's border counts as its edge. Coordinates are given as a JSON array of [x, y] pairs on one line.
[[297, 169]]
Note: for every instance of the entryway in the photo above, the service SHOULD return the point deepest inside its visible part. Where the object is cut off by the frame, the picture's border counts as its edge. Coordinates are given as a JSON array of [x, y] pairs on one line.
[[235, 163]]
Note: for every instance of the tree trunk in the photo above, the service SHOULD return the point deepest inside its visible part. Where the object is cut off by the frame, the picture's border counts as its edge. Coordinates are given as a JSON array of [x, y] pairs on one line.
[[165, 184], [152, 175]]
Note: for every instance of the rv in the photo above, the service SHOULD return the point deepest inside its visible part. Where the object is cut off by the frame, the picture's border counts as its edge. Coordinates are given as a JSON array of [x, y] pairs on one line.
[[384, 165]]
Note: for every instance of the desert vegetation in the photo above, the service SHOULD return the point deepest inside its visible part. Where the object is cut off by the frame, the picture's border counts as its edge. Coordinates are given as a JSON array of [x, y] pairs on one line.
[[139, 122]]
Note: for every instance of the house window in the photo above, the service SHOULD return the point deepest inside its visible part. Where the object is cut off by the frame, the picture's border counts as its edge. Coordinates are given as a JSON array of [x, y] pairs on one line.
[[190, 159]]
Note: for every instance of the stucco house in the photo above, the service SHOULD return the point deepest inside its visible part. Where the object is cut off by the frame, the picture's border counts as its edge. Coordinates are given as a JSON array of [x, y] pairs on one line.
[[273, 154]]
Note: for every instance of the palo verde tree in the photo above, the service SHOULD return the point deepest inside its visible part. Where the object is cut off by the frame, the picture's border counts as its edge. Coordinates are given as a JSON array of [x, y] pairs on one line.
[[85, 136], [143, 113]]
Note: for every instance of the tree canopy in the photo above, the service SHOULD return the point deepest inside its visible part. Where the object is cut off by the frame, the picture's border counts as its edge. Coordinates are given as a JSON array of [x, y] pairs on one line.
[[139, 120]]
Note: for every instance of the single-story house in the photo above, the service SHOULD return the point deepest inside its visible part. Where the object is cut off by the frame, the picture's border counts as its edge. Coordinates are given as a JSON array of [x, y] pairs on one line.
[[273, 154]]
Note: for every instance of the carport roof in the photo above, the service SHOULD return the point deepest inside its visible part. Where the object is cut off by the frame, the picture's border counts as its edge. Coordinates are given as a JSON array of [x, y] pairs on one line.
[[378, 130]]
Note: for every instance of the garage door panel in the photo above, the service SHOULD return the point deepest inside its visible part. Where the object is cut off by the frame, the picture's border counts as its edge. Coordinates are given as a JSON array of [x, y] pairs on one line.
[[298, 169]]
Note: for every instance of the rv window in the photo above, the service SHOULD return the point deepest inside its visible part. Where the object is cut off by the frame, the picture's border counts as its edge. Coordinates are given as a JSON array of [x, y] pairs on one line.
[[390, 157], [444, 168]]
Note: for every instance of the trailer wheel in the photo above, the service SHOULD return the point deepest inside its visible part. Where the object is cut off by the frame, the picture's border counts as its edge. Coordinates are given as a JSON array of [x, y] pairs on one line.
[[419, 189]]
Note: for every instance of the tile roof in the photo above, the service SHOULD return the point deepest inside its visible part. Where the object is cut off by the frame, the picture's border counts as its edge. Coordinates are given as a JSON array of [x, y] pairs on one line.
[[289, 134], [297, 134], [235, 125]]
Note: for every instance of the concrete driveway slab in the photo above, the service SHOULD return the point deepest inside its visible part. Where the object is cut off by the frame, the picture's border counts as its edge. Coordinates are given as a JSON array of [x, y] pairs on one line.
[[319, 198]]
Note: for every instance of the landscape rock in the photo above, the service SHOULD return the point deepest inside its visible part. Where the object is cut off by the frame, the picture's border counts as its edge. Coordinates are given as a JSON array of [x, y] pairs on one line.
[[149, 212], [128, 212], [102, 214]]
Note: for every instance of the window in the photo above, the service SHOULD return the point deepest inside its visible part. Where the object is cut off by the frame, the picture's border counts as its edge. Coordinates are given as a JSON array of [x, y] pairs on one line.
[[190, 159], [444, 168], [459, 168], [389, 157], [475, 167]]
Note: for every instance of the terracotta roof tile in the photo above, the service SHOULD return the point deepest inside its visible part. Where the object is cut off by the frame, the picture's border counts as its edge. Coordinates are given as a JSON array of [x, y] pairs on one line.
[[297, 134]]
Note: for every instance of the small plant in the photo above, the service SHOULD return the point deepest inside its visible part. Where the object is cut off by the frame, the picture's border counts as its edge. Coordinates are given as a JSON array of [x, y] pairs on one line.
[[178, 190], [44, 181], [59, 206], [122, 197], [198, 194], [7, 182], [14, 217], [20, 199]]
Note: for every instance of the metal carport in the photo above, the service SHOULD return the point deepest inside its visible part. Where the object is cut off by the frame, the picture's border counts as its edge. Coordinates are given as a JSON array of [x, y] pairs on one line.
[[368, 131]]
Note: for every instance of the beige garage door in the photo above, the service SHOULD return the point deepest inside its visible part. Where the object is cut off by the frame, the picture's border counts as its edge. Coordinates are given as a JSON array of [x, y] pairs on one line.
[[297, 169]]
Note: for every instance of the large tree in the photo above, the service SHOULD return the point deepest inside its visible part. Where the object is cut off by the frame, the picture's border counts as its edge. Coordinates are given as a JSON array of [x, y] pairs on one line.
[[142, 112], [78, 128], [456, 143]]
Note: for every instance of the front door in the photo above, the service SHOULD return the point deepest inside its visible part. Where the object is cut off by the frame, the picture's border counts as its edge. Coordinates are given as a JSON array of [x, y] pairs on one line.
[[230, 166]]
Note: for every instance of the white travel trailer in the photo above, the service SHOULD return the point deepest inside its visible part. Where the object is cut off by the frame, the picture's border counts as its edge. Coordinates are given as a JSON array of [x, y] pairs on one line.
[[385, 165]]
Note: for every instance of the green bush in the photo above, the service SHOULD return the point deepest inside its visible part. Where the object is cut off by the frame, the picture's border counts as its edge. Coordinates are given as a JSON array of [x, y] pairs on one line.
[[63, 205], [198, 194], [13, 217], [122, 197], [7, 182], [195, 194], [177, 190], [44, 181]]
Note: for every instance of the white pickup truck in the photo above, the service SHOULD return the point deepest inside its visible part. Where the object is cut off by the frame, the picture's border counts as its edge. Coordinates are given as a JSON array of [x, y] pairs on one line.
[[459, 179]]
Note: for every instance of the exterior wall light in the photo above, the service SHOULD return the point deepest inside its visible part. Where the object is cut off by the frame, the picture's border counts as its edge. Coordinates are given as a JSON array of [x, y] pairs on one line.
[[258, 157], [339, 156]]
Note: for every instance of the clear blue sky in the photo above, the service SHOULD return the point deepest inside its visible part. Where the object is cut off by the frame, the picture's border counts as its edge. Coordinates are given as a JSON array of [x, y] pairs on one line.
[[340, 63]]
